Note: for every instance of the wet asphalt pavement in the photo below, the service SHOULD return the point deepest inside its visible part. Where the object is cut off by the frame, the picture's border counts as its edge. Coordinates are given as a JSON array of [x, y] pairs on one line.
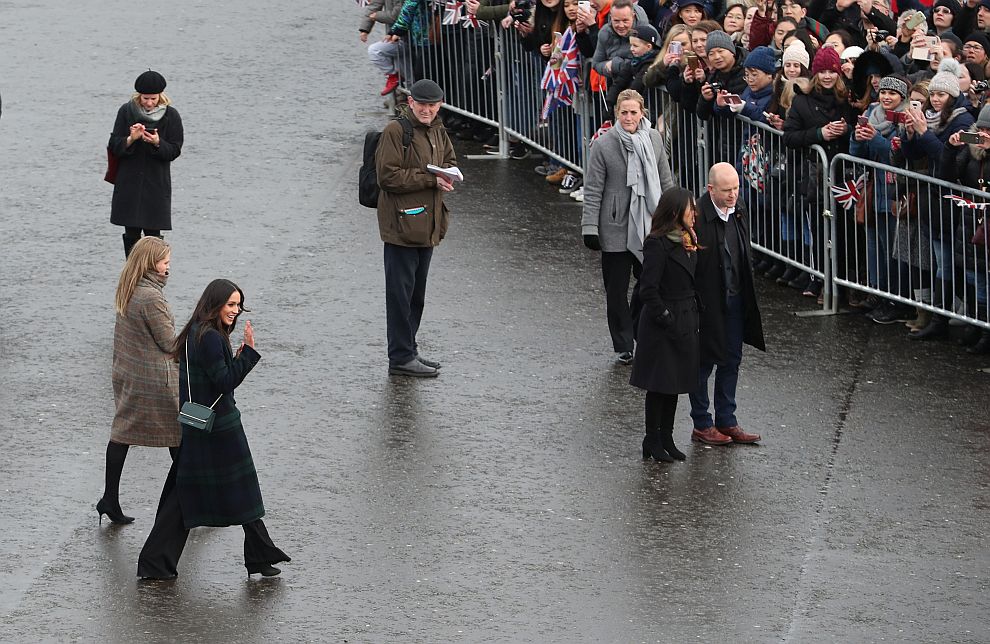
[[504, 501]]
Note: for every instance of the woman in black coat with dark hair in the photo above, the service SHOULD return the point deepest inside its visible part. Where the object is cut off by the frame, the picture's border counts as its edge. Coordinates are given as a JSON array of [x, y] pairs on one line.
[[212, 481], [667, 353], [147, 136]]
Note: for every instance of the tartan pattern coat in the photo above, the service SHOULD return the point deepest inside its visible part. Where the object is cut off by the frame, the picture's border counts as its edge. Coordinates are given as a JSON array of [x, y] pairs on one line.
[[215, 476], [145, 379]]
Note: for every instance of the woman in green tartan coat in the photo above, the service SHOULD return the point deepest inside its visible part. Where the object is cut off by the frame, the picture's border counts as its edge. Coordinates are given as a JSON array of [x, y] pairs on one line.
[[212, 481]]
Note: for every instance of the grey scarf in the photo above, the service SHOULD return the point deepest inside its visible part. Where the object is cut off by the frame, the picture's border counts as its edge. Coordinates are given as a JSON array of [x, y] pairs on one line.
[[643, 179], [145, 117], [878, 119], [934, 119]]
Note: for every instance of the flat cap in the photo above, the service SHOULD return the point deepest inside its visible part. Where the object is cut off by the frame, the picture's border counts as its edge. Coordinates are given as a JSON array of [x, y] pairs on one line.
[[426, 91]]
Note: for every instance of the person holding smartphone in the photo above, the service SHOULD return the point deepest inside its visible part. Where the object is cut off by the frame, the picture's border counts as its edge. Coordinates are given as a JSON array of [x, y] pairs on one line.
[[931, 132], [147, 136]]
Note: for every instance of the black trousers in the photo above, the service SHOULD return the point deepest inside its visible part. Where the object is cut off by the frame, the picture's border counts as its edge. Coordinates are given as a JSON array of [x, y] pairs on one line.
[[616, 268], [160, 555], [406, 270]]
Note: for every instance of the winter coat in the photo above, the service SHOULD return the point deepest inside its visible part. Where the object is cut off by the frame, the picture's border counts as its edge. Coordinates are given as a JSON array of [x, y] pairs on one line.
[[667, 352], [968, 165], [877, 149], [710, 283], [809, 113], [145, 378], [630, 76], [215, 476], [930, 145], [606, 195], [732, 81], [386, 11], [142, 192], [612, 48], [756, 103], [406, 185]]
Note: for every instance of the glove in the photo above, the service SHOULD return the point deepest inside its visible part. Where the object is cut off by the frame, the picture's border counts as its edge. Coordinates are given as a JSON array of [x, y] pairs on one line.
[[665, 319], [592, 243]]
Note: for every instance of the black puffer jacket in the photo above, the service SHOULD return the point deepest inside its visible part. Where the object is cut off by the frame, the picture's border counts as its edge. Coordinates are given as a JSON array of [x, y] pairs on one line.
[[812, 111], [731, 81]]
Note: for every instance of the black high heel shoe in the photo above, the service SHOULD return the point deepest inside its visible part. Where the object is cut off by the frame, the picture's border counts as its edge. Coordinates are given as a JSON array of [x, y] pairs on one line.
[[266, 570], [667, 440], [115, 515], [651, 447]]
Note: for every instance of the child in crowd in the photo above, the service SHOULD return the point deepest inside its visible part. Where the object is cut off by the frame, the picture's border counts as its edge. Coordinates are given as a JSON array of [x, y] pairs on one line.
[[644, 43]]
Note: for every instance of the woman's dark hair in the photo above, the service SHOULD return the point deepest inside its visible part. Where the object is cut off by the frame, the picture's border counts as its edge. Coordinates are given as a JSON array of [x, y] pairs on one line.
[[976, 71], [802, 36], [844, 36], [207, 314], [667, 216], [946, 114]]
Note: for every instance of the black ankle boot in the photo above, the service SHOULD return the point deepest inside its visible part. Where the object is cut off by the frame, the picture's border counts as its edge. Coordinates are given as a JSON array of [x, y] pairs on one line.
[[115, 514], [788, 275], [982, 345], [938, 327], [129, 244], [776, 270], [653, 447], [667, 440]]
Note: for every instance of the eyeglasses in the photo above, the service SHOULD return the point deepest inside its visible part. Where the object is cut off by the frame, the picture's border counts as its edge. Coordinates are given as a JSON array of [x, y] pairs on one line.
[[752, 73], [972, 46]]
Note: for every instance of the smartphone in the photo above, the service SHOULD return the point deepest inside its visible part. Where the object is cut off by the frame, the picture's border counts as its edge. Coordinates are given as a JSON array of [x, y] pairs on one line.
[[692, 60], [862, 120], [970, 137], [915, 20], [733, 99], [584, 5], [916, 105], [676, 47]]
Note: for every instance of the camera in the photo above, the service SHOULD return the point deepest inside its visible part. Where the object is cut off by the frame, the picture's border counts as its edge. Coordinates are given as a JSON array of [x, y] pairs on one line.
[[522, 10], [978, 87], [880, 34], [716, 86]]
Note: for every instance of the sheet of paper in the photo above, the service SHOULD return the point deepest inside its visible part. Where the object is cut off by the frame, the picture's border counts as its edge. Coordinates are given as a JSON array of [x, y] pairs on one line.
[[453, 173]]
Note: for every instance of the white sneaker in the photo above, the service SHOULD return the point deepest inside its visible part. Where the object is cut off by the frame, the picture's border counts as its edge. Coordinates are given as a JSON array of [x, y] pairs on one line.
[[578, 195]]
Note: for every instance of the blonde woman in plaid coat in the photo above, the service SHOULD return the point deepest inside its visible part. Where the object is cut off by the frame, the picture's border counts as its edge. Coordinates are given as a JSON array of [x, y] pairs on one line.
[[145, 377]]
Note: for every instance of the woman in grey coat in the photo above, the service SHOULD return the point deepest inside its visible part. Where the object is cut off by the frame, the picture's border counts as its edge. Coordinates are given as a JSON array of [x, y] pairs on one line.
[[627, 172]]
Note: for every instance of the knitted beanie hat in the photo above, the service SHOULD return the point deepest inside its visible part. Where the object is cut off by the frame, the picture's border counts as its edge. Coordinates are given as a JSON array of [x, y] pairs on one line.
[[951, 5], [826, 59], [981, 39], [983, 120], [947, 78], [796, 52], [851, 52], [763, 59], [895, 84], [719, 40]]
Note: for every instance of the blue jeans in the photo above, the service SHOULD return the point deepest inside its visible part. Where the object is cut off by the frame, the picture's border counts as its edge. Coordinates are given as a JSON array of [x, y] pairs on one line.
[[878, 242], [726, 375]]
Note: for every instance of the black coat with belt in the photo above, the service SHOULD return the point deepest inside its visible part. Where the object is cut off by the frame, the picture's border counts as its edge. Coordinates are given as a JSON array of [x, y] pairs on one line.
[[710, 282], [667, 350], [142, 192]]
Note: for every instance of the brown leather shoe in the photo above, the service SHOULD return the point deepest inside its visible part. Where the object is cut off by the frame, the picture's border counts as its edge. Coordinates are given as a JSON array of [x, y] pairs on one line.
[[710, 436], [737, 434]]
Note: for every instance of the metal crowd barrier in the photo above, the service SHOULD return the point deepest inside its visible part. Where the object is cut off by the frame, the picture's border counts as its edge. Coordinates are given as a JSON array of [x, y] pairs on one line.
[[795, 216], [912, 243]]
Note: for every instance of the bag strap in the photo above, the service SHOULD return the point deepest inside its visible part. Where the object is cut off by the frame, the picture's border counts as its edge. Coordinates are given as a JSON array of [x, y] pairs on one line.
[[189, 380]]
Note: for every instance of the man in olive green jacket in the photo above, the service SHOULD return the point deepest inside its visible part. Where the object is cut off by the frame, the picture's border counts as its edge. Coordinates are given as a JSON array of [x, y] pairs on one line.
[[412, 219]]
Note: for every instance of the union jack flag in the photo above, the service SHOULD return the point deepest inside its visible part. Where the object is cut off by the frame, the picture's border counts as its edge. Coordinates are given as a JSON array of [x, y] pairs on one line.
[[470, 21], [606, 126], [453, 11], [561, 78], [963, 202], [850, 192]]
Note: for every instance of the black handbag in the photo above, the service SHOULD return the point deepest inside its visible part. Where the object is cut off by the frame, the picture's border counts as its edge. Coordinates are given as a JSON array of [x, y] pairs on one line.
[[194, 415]]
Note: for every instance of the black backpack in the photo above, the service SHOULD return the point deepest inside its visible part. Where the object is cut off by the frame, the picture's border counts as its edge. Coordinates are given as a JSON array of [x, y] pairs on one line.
[[368, 175]]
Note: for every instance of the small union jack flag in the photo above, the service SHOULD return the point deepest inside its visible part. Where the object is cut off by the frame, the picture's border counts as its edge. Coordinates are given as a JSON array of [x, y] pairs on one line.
[[850, 192], [963, 202], [470, 21], [606, 126], [562, 74], [453, 11]]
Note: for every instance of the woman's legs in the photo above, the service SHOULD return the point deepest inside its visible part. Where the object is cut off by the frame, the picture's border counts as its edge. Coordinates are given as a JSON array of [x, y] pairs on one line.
[[259, 551], [616, 269], [160, 555], [133, 234], [116, 455], [659, 441]]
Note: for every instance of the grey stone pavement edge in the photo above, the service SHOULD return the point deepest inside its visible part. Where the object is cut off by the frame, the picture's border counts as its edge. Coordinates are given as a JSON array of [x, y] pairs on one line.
[[505, 501]]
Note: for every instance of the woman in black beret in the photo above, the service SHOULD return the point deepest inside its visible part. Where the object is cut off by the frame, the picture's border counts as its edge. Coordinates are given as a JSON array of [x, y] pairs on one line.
[[146, 138]]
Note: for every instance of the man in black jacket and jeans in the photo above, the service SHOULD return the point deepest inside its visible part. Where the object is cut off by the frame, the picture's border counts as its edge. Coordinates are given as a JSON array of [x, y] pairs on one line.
[[729, 314]]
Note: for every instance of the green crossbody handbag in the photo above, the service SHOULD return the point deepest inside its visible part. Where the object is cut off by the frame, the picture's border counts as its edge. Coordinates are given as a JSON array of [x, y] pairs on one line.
[[194, 415]]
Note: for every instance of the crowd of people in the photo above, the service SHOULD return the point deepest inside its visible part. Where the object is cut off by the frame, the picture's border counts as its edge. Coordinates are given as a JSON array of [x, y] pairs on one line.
[[902, 85]]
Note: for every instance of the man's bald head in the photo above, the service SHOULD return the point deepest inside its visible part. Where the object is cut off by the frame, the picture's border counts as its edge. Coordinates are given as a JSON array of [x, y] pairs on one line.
[[723, 185]]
